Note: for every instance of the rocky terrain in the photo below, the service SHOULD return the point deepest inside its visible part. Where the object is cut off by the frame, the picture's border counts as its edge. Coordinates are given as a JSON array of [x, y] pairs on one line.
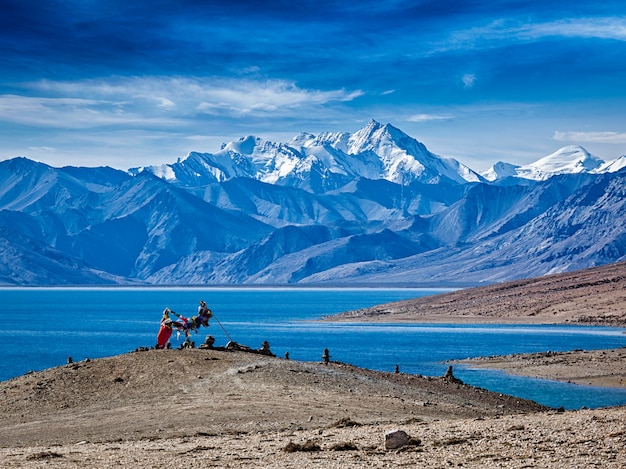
[[605, 368], [590, 296], [203, 408]]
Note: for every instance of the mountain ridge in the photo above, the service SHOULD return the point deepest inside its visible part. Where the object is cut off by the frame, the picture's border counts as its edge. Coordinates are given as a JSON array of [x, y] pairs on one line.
[[306, 212]]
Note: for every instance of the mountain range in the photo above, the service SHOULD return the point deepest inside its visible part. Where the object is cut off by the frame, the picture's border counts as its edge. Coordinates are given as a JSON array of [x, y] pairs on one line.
[[374, 207]]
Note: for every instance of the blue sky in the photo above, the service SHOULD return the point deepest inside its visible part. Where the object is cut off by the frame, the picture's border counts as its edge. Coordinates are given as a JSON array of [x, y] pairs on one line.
[[131, 83]]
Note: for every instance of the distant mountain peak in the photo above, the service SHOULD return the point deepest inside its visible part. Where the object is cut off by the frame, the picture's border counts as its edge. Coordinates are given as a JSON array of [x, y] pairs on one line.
[[500, 170], [613, 166], [373, 134], [570, 159], [246, 145], [319, 163]]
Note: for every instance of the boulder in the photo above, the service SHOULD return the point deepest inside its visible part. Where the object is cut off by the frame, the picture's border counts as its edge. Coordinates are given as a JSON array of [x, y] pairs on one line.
[[395, 439]]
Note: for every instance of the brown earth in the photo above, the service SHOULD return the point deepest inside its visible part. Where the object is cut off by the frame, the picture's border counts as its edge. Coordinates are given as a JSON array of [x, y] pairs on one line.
[[592, 296], [591, 368], [205, 408], [167, 393]]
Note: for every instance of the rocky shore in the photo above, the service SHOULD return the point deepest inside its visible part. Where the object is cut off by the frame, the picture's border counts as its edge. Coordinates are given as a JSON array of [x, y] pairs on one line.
[[606, 368], [204, 408]]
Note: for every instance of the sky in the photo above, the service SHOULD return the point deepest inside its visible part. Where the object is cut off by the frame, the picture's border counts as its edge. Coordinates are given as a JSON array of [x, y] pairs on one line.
[[133, 83]]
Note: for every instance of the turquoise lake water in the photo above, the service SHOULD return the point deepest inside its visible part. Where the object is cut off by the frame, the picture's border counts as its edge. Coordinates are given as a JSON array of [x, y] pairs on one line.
[[44, 326]]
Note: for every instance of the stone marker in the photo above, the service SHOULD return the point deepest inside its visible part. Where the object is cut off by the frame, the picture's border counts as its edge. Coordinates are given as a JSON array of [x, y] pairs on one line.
[[395, 439]]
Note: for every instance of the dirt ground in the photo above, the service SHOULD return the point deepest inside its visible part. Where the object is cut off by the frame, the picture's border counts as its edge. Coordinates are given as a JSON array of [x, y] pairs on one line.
[[593, 296], [605, 368], [166, 393], [203, 408]]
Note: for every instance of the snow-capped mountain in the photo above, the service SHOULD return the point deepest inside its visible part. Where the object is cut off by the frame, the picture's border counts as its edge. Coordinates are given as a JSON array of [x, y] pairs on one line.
[[370, 207], [572, 159], [319, 163], [612, 166]]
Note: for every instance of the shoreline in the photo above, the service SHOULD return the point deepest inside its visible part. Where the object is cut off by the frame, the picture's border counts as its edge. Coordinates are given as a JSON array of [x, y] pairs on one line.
[[203, 408], [595, 296], [601, 368], [410, 318]]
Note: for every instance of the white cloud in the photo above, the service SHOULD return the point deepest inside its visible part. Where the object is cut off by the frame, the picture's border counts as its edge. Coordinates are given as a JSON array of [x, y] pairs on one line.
[[427, 117], [162, 101], [76, 113], [590, 137], [242, 96], [512, 29], [165, 103], [603, 28], [469, 80], [43, 149]]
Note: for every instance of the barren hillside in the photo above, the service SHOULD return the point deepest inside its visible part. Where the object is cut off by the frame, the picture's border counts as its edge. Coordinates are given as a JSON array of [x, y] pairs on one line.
[[591, 296]]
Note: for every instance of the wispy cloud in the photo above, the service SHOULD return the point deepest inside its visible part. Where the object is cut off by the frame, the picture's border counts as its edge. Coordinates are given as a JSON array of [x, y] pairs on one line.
[[428, 117], [520, 29], [602, 28], [76, 113], [590, 137], [158, 100], [469, 80], [244, 96]]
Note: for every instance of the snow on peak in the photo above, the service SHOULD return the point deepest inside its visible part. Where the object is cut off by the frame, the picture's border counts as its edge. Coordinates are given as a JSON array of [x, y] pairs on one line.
[[303, 139], [404, 159], [376, 151], [245, 146], [163, 171], [374, 136], [500, 170], [572, 159], [613, 166]]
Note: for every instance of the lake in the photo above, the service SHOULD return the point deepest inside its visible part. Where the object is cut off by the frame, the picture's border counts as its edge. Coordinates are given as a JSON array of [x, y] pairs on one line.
[[45, 326]]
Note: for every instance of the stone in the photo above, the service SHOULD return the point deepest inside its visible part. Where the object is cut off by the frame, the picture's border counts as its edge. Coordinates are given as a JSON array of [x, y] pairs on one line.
[[395, 439]]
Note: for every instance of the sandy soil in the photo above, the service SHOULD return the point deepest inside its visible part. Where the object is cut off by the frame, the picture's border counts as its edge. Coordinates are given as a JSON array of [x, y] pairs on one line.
[[166, 393], [592, 368], [201, 408], [582, 439], [592, 296]]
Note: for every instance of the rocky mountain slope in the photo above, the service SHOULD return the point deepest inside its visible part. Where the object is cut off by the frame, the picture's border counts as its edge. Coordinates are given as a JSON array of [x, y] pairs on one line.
[[373, 207]]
